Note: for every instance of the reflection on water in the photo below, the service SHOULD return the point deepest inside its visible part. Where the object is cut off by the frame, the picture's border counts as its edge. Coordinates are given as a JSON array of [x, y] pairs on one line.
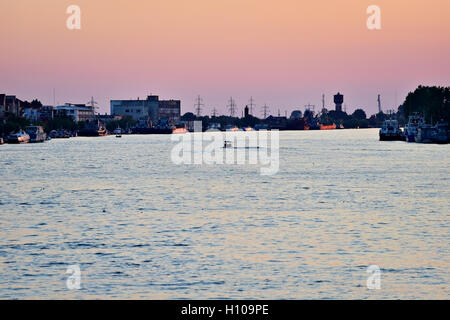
[[141, 227]]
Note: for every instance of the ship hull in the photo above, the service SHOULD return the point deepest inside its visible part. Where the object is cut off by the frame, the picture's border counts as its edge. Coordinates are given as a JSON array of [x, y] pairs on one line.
[[151, 131], [385, 137]]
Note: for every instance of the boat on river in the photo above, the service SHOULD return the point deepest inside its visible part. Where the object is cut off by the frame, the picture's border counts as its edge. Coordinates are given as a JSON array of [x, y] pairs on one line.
[[19, 137], [36, 134], [390, 131], [412, 127], [425, 133]]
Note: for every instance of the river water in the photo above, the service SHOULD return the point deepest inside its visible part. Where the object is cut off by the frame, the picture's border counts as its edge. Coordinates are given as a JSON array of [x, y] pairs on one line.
[[140, 226]]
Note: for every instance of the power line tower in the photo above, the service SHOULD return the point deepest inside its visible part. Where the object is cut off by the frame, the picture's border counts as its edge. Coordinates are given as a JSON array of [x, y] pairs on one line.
[[92, 104], [198, 106], [214, 113], [379, 103], [251, 105], [232, 107], [265, 110]]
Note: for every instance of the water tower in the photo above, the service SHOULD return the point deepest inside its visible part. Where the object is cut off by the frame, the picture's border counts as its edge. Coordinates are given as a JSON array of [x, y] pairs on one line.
[[338, 101]]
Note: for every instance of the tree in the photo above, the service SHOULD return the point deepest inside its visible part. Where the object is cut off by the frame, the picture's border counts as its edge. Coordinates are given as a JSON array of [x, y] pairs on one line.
[[188, 116], [432, 102], [359, 114]]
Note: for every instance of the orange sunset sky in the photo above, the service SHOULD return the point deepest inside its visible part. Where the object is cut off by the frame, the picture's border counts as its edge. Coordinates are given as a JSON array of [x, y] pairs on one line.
[[285, 53]]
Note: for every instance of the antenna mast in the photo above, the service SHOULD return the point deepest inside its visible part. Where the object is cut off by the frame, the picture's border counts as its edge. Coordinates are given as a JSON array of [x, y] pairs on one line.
[[93, 103], [251, 105], [198, 106], [265, 110], [214, 112], [231, 106]]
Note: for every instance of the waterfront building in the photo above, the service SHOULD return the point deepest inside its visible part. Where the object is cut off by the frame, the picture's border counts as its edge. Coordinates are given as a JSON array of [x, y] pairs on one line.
[[31, 113], [78, 112], [2, 105], [170, 111], [46, 113], [12, 105], [136, 109], [167, 111]]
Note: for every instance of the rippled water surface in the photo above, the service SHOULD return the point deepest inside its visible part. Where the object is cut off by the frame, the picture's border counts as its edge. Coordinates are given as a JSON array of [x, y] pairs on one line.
[[141, 227]]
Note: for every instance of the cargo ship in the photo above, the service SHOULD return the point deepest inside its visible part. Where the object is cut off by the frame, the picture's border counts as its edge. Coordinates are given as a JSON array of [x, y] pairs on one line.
[[93, 129]]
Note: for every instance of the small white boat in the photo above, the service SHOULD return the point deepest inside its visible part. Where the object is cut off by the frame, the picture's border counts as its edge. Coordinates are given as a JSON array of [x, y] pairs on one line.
[[118, 132], [19, 137], [227, 144]]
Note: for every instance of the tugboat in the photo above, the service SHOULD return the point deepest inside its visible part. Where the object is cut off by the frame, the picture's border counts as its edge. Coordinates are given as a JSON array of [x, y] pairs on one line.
[[425, 133], [412, 127], [390, 131], [19, 137], [441, 133], [36, 134]]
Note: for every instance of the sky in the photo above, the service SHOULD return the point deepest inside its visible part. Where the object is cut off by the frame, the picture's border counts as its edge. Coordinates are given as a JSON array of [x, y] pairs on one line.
[[284, 53]]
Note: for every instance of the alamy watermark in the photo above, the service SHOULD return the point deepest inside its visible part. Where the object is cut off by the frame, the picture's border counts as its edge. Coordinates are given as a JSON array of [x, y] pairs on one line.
[[374, 280], [374, 20], [73, 22], [228, 148], [73, 282]]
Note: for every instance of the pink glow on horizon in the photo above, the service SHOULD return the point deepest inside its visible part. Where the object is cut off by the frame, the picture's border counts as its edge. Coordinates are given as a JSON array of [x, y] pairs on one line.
[[283, 53]]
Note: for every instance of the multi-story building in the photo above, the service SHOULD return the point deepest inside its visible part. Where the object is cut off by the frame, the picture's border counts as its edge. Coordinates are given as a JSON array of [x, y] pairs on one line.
[[137, 109], [170, 111], [167, 111], [46, 113], [2, 105], [12, 105], [78, 112]]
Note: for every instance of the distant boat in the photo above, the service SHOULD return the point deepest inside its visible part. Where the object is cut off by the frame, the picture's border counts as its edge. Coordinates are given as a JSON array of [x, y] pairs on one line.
[[227, 144], [441, 133], [59, 134], [231, 128], [411, 128], [327, 126], [179, 129], [390, 131], [118, 132], [425, 133], [19, 137], [36, 133]]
